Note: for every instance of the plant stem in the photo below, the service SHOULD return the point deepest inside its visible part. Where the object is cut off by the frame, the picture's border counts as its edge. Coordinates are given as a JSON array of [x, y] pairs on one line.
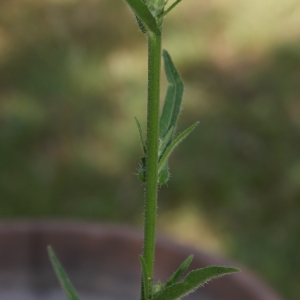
[[154, 63]]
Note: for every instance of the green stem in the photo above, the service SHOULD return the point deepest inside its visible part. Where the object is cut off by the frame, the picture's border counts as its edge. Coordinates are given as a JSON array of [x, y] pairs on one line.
[[154, 63]]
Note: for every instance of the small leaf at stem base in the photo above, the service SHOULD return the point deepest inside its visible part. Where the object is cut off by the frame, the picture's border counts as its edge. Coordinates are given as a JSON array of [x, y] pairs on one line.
[[176, 276], [192, 281]]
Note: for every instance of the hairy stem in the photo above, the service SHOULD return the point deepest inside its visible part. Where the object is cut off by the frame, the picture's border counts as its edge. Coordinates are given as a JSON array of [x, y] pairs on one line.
[[154, 63]]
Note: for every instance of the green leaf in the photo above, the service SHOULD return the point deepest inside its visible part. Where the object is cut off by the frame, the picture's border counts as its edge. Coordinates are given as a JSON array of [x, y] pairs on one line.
[[165, 142], [145, 278], [141, 134], [63, 279], [176, 276], [143, 13], [174, 144], [163, 175], [192, 281], [173, 98]]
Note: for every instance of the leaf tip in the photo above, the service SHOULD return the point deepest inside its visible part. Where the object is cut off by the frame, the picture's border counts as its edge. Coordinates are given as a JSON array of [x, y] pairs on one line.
[[50, 250], [233, 270]]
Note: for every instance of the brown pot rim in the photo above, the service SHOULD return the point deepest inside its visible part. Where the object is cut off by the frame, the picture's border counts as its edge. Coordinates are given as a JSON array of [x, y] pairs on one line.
[[246, 278]]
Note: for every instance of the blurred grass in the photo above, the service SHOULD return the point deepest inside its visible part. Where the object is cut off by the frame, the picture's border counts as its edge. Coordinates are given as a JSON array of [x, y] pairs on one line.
[[73, 76]]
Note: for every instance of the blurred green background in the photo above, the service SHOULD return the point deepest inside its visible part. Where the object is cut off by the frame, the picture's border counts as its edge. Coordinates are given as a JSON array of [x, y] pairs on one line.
[[72, 78]]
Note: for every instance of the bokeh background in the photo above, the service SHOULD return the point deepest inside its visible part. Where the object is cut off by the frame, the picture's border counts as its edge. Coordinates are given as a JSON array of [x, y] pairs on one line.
[[72, 78]]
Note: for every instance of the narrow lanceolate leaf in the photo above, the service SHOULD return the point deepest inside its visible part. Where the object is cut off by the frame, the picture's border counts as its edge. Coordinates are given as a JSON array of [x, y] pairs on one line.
[[63, 279], [141, 134], [176, 276], [143, 13], [173, 98], [144, 278], [192, 281], [174, 144]]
